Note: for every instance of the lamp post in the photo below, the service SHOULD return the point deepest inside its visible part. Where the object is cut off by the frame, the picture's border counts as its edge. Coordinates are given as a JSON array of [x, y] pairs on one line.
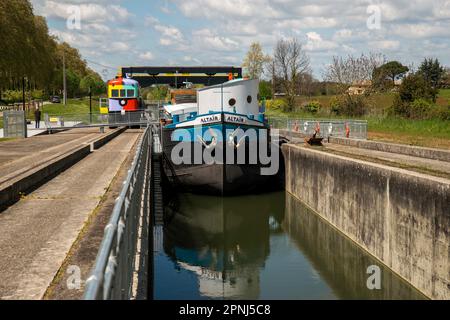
[[90, 104], [23, 93], [64, 78]]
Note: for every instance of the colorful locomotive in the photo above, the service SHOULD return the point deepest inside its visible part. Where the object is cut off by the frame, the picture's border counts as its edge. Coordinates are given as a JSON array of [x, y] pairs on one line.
[[123, 95]]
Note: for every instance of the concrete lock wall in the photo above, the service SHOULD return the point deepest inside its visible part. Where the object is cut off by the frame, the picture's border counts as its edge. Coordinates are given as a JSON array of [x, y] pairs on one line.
[[400, 217]]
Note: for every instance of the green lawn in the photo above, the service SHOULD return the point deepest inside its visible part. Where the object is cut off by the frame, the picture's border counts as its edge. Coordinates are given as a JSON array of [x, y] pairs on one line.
[[444, 94], [429, 133], [73, 107]]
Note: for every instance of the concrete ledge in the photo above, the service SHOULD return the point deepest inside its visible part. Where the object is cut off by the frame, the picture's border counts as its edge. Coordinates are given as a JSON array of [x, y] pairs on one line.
[[11, 190], [400, 217], [421, 152], [429, 153], [104, 140]]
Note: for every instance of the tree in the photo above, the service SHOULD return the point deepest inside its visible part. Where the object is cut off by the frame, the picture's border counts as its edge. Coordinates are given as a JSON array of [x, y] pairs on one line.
[[432, 72], [28, 52], [391, 70], [92, 82], [265, 89], [73, 83], [254, 61], [350, 70], [415, 87], [290, 62]]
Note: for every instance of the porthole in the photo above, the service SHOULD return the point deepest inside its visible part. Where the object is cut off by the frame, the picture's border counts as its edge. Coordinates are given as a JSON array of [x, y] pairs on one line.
[[232, 102], [249, 99]]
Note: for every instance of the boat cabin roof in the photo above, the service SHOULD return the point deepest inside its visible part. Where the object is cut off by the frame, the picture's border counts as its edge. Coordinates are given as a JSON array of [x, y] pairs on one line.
[[181, 108]]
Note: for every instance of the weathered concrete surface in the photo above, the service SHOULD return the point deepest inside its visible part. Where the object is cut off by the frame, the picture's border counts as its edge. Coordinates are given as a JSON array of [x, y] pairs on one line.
[[400, 217], [37, 232], [428, 166], [429, 153], [84, 252], [34, 168], [420, 152]]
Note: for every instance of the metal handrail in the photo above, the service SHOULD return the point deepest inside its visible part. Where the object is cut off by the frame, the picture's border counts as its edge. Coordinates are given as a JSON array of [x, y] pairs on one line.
[[328, 127], [112, 274], [86, 120]]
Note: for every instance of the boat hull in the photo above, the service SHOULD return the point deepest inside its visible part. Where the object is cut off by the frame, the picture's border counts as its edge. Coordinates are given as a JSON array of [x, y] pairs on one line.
[[217, 178]]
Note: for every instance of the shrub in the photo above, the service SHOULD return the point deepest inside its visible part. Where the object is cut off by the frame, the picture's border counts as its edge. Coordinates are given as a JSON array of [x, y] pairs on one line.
[[349, 105], [420, 109], [440, 112], [415, 87], [277, 104], [400, 107], [12, 96], [312, 106], [335, 105]]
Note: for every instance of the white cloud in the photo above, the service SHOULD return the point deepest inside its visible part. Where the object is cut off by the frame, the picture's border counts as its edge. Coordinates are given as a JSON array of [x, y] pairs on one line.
[[316, 43], [385, 44], [207, 39], [220, 31], [90, 12], [146, 56]]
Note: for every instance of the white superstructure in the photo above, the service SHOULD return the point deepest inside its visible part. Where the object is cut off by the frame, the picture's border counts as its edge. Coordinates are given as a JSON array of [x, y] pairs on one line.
[[237, 96]]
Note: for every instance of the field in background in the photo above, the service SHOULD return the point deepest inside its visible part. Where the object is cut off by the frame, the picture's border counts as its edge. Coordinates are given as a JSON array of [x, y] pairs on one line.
[[429, 133], [74, 106]]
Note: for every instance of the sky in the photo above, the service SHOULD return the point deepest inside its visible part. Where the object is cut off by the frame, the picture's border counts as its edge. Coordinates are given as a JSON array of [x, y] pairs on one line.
[[114, 33]]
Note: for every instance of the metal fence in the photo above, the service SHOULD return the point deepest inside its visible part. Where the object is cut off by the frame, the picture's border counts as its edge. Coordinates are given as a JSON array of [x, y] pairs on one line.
[[114, 269], [356, 129], [135, 118]]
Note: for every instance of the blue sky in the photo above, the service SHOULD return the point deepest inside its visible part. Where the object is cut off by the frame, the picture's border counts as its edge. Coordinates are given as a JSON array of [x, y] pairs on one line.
[[115, 33]]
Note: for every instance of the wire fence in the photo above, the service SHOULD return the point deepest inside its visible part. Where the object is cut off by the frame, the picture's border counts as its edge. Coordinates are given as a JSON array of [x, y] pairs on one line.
[[133, 118], [356, 129], [114, 270]]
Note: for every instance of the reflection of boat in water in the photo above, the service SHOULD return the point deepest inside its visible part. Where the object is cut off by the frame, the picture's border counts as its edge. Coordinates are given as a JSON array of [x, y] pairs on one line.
[[223, 241]]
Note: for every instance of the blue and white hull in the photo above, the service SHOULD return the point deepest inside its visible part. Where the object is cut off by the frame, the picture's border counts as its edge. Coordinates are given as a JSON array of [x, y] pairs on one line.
[[218, 153]]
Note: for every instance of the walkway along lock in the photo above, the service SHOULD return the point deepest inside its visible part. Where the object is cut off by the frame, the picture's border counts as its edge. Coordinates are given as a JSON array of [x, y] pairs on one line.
[[112, 277]]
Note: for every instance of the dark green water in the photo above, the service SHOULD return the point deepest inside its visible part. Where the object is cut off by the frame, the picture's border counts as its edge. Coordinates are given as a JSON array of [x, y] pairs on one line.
[[260, 247]]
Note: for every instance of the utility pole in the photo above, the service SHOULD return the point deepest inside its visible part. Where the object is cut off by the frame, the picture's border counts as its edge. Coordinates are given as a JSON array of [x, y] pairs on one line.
[[90, 105], [273, 80], [64, 78], [23, 93]]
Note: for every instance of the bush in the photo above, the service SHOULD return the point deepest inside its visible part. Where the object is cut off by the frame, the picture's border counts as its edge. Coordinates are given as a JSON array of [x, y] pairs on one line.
[[277, 104], [441, 112], [415, 87], [335, 105], [400, 107], [420, 109], [312, 106], [12, 96], [349, 105]]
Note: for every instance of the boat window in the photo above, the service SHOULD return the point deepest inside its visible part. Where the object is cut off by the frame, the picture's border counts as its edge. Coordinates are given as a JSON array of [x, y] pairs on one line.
[[130, 93], [123, 93], [115, 93], [249, 99], [232, 102]]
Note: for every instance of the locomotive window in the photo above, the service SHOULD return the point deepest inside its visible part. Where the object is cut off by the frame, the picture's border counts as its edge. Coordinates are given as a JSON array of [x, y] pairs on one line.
[[115, 93], [123, 93], [130, 93], [232, 102]]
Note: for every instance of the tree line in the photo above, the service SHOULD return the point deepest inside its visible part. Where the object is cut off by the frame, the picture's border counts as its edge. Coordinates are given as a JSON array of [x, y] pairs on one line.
[[290, 76], [30, 55]]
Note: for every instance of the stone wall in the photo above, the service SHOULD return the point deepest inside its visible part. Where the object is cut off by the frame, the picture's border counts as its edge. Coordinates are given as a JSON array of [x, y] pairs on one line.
[[400, 217]]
